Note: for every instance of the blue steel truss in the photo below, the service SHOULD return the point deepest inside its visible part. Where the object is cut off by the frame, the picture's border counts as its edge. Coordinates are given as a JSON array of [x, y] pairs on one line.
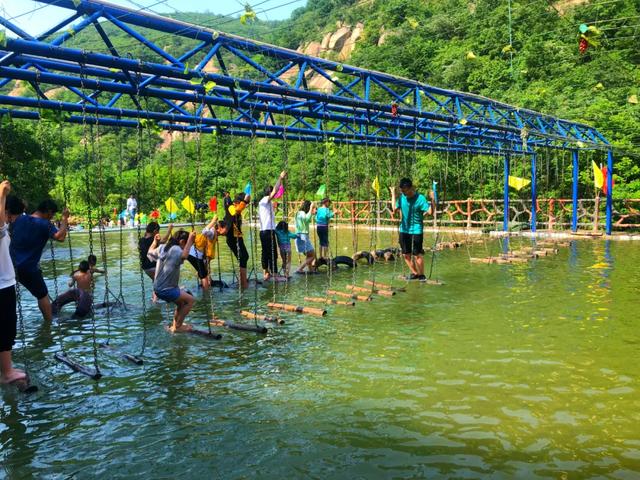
[[236, 86]]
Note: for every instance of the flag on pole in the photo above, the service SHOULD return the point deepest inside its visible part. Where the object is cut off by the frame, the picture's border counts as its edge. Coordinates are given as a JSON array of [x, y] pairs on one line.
[[605, 180], [434, 187], [172, 206], [213, 204], [247, 189], [518, 183], [376, 186], [280, 192], [598, 177], [322, 190], [188, 205]]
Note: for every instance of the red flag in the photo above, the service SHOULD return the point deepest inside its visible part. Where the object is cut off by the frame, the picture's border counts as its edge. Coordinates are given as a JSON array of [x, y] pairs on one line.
[[605, 174], [213, 204]]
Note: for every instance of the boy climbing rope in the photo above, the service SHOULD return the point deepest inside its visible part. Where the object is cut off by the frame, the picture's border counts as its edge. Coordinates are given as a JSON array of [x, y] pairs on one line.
[[268, 239], [413, 206], [231, 228]]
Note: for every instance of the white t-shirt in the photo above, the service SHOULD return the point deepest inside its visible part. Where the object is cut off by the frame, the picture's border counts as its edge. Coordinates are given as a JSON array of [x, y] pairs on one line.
[[266, 214], [132, 204], [7, 274]]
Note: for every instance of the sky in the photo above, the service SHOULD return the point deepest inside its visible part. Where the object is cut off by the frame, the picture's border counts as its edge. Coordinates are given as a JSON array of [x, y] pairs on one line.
[[35, 22]]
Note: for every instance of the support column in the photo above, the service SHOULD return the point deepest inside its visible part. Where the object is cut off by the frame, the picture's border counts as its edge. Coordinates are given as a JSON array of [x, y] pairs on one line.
[[574, 205], [507, 172], [534, 193], [609, 181]]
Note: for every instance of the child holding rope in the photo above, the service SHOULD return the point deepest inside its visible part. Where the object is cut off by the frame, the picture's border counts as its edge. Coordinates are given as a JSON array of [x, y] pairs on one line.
[[166, 283], [284, 244]]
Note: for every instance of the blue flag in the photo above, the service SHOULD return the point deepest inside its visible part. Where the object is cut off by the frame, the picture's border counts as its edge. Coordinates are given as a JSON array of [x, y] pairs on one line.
[[247, 189], [434, 186]]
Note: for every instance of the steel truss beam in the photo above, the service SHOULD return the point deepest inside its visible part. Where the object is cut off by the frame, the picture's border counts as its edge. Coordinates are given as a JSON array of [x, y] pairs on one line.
[[270, 97]]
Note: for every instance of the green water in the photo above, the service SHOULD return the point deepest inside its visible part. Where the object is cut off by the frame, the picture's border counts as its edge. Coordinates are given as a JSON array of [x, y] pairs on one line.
[[521, 371]]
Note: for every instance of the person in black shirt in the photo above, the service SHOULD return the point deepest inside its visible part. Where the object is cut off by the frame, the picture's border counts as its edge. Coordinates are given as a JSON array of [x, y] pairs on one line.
[[149, 267], [231, 228]]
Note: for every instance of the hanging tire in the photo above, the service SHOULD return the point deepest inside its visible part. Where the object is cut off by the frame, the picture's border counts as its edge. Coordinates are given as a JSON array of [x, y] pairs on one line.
[[343, 261], [363, 255]]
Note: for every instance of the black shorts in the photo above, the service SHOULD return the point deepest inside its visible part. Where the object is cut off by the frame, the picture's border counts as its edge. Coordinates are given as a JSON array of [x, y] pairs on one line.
[[323, 235], [199, 265], [33, 281], [8, 318], [411, 244]]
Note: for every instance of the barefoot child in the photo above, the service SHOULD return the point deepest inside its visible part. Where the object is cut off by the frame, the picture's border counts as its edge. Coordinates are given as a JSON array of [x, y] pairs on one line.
[[231, 229], [303, 242], [284, 237], [323, 216], [203, 251], [169, 257], [8, 318], [81, 294]]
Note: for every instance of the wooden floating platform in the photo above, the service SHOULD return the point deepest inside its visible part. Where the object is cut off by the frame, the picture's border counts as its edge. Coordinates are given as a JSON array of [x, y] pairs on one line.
[[127, 356], [384, 293], [499, 260], [297, 309], [352, 296], [385, 286], [329, 301], [263, 318], [236, 326], [76, 367]]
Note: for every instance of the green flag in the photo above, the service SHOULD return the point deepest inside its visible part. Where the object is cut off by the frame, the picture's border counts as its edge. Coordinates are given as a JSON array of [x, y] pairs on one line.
[[321, 191]]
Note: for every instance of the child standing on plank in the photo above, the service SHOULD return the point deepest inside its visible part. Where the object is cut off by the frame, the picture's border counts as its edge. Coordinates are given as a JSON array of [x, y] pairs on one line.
[[8, 317], [303, 242], [323, 216], [284, 244], [149, 267], [166, 284], [231, 228], [267, 218], [203, 251]]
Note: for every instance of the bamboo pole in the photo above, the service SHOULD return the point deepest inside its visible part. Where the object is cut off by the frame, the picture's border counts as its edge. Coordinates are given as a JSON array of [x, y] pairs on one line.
[[263, 318], [360, 298], [385, 286], [329, 301], [384, 293], [297, 309]]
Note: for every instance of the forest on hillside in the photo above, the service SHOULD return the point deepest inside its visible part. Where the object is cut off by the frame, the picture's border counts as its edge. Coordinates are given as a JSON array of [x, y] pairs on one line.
[[525, 53]]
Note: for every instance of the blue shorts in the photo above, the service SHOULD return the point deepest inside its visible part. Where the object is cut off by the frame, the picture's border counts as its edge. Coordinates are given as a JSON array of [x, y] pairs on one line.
[[168, 294], [303, 244]]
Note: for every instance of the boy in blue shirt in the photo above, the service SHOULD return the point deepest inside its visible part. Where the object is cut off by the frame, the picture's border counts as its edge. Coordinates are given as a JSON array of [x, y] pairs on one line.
[[29, 236], [323, 216], [413, 206]]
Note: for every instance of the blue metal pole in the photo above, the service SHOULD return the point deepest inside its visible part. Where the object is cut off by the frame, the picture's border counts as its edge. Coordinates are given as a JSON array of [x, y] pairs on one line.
[[609, 181], [574, 198], [534, 193]]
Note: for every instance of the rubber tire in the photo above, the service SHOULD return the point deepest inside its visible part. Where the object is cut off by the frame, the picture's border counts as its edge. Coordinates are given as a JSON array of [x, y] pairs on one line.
[[343, 260], [364, 255]]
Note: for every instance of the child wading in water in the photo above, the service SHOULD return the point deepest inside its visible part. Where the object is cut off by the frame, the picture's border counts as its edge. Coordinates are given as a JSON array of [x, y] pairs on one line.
[[81, 295], [323, 216], [303, 242], [170, 257], [284, 244]]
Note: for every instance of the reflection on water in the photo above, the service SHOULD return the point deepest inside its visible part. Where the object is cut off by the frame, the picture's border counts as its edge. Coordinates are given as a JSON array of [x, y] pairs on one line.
[[509, 371]]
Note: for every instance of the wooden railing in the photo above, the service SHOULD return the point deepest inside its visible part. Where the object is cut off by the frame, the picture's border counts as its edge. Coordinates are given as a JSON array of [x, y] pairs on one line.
[[552, 213]]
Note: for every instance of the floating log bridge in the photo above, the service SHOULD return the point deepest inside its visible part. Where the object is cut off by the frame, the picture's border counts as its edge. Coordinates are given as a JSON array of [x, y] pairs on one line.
[[200, 333], [76, 367], [329, 301], [127, 356], [499, 260], [384, 293], [297, 309], [216, 322], [360, 298], [385, 286], [262, 318]]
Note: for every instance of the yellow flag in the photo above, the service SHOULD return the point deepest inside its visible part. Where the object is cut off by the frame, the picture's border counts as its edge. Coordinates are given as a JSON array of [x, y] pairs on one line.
[[598, 177], [518, 183], [188, 205], [172, 206], [376, 186]]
